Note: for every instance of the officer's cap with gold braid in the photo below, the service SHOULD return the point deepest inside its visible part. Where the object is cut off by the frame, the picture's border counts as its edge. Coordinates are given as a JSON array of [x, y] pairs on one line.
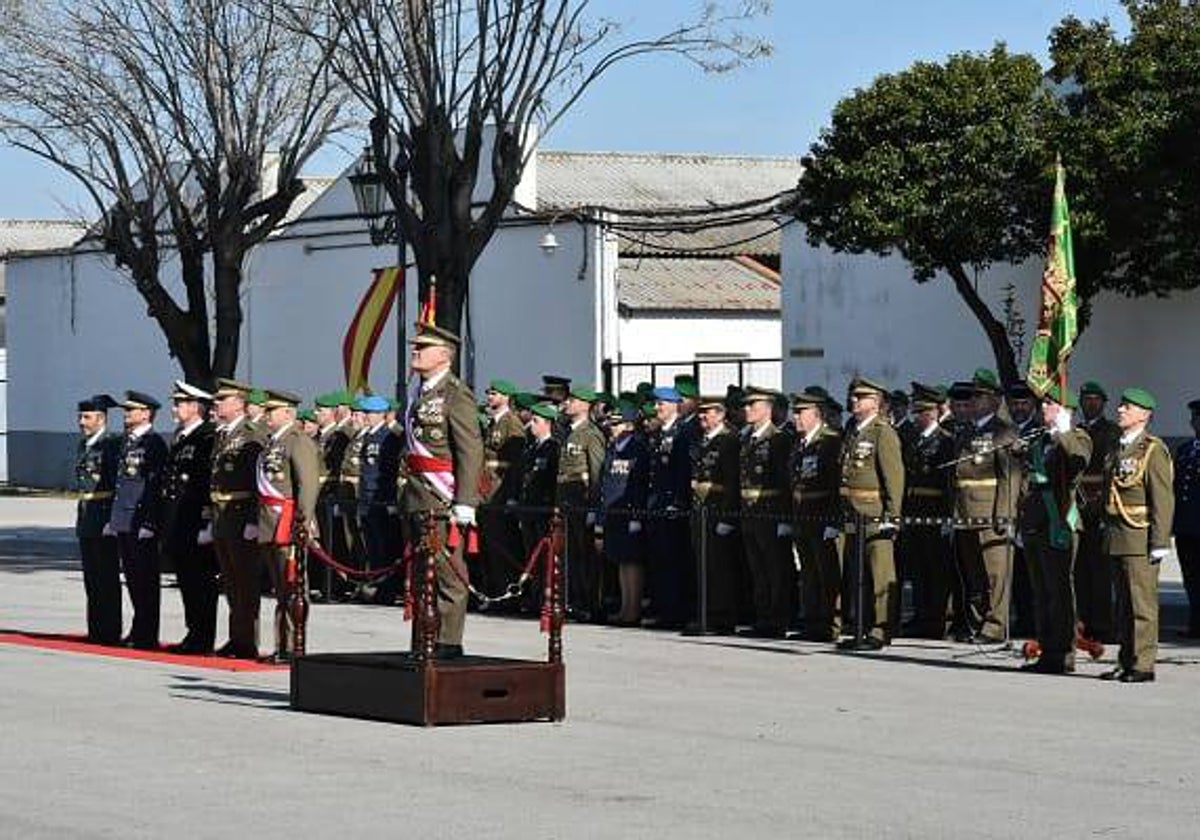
[[231, 388], [863, 385], [136, 399], [710, 402], [809, 397], [280, 399], [98, 402], [431, 335], [755, 393]]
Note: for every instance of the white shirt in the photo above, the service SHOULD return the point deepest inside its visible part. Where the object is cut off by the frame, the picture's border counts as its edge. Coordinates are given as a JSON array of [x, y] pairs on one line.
[[276, 434], [666, 427], [983, 421], [712, 433], [232, 424], [1130, 437], [140, 430], [808, 438], [433, 381], [95, 438], [760, 429], [933, 427], [188, 429], [859, 426]]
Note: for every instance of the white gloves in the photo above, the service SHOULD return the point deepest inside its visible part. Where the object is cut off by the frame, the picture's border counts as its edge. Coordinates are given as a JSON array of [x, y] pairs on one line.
[[1062, 422], [1018, 540], [830, 533], [250, 532], [108, 530], [205, 537], [337, 510], [393, 510], [724, 529], [783, 530], [145, 533], [1158, 555], [947, 529], [888, 527], [635, 527], [590, 519], [511, 503], [463, 514]]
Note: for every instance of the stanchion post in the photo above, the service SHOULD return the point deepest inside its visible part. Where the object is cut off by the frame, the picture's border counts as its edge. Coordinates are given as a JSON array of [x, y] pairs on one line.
[[702, 560]]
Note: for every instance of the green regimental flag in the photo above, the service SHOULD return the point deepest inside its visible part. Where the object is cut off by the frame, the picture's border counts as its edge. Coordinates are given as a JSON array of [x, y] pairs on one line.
[[1057, 325]]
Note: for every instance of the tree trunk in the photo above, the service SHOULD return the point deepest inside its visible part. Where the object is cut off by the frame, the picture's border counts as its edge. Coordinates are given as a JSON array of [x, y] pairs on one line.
[[227, 280], [1002, 351]]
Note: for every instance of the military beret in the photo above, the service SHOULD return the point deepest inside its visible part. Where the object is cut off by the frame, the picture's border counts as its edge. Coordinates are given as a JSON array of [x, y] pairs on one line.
[[686, 385], [985, 381], [371, 402], [330, 400], [863, 385], [809, 397], [185, 392], [306, 414], [524, 399], [545, 410], [961, 390], [231, 388], [431, 335], [97, 402], [755, 393], [502, 386], [1139, 397], [393, 403], [667, 394], [1092, 388], [257, 396], [280, 399], [582, 392], [1055, 394], [644, 388], [649, 410], [1194, 406], [137, 399], [898, 397], [1020, 390], [935, 394]]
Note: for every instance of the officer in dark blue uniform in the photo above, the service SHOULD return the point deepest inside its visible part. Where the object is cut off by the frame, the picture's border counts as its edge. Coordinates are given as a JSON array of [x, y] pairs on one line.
[[95, 477], [186, 517], [135, 515], [1187, 520], [671, 566], [379, 465]]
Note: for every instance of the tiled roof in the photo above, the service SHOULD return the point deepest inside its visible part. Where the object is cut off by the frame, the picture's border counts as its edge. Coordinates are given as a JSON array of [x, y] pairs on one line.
[[641, 182], [696, 285]]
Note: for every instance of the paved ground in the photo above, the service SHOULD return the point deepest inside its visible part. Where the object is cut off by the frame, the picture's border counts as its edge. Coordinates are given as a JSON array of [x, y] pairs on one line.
[[666, 737]]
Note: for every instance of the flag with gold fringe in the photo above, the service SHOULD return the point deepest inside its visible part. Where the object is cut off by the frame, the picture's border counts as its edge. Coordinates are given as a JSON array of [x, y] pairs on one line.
[[359, 344], [1057, 324]]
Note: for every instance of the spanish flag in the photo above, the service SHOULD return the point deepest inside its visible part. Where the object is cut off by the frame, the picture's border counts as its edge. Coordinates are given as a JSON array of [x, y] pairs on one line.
[[363, 334]]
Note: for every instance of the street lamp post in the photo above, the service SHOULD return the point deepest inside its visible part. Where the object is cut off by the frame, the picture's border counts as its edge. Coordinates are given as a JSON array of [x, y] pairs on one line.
[[371, 199]]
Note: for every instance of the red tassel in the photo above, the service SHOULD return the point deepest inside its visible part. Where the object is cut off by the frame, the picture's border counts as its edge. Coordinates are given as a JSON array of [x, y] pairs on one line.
[[473, 541], [452, 538]]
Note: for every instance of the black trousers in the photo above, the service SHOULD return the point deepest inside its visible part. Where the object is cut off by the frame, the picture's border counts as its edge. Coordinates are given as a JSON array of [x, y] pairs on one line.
[[672, 570], [196, 573], [1094, 586], [102, 584], [140, 563], [382, 547], [1189, 563]]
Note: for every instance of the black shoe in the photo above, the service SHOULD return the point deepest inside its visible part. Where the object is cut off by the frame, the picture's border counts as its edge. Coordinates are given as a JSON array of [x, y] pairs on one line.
[[693, 629], [145, 644], [279, 657], [868, 643], [1133, 675], [442, 652], [1048, 666], [962, 635], [761, 633], [232, 651], [1117, 673]]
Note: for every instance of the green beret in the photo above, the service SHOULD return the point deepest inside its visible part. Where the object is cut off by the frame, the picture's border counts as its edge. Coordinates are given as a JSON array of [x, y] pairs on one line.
[[547, 410], [502, 386], [686, 385], [986, 380], [257, 396], [1092, 388], [524, 400], [644, 387], [1055, 394], [649, 410], [1139, 397], [581, 392], [329, 400], [306, 414]]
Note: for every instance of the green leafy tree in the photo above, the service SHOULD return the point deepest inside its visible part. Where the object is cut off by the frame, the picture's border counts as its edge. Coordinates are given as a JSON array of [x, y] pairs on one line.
[[946, 164], [1129, 129]]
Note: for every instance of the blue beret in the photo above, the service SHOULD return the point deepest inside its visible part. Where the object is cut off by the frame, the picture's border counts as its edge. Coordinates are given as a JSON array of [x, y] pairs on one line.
[[371, 403], [667, 395]]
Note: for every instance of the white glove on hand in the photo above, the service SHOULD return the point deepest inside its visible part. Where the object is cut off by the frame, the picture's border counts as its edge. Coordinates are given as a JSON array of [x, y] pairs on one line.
[[590, 519], [511, 503], [393, 510], [830, 533], [1158, 555], [1018, 540], [724, 529], [888, 528], [1062, 422], [463, 514], [783, 530], [250, 532], [108, 530], [947, 529], [635, 527], [145, 533], [205, 537]]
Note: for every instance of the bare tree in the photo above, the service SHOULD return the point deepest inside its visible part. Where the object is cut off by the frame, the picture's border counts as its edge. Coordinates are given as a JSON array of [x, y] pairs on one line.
[[436, 75], [188, 122]]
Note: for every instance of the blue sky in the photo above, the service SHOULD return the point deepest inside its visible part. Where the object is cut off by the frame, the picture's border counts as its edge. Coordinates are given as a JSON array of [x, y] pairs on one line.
[[823, 50]]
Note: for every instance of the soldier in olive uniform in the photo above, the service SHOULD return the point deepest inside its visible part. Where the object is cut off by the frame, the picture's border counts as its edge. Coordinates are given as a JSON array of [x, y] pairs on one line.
[[672, 567], [1093, 570], [715, 495], [503, 443], [1049, 524], [765, 488], [927, 496], [187, 534], [335, 502], [288, 478], [444, 457], [1137, 533], [816, 477], [984, 492], [1187, 520], [872, 486], [95, 477], [234, 496], [135, 514], [579, 463]]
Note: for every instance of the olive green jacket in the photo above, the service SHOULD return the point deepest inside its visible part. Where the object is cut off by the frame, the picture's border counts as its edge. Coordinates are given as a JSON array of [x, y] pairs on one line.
[[872, 470], [1140, 498]]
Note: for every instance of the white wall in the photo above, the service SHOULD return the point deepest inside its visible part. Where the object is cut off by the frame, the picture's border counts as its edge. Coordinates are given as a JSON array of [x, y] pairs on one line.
[[864, 314]]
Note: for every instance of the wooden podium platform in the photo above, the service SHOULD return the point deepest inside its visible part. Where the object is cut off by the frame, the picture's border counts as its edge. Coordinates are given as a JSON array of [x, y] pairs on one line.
[[416, 687], [399, 688]]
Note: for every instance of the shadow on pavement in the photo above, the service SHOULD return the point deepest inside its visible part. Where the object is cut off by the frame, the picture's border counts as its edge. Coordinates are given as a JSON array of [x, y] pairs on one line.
[[205, 690], [38, 549]]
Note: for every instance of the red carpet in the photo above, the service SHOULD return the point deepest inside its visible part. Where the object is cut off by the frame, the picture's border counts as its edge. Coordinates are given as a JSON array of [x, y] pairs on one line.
[[80, 644]]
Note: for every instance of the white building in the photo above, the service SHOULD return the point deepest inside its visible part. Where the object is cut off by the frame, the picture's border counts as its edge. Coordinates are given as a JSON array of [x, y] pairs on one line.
[[845, 314], [78, 327]]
